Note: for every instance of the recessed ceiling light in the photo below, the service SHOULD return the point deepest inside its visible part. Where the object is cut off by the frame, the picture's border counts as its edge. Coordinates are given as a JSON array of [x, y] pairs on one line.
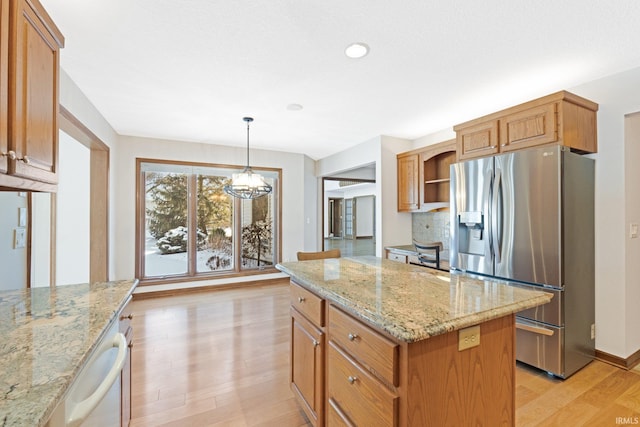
[[294, 107], [357, 50]]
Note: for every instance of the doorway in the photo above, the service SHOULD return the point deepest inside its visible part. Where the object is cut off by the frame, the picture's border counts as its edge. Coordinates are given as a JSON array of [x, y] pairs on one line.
[[335, 217], [342, 228]]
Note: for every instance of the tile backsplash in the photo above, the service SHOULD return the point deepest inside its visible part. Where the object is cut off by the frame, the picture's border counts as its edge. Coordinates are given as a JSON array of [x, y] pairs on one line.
[[431, 227]]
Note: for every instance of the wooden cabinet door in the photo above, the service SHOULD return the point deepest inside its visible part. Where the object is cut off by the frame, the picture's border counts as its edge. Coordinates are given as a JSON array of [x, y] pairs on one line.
[[528, 128], [33, 112], [4, 84], [408, 183], [477, 140], [307, 367]]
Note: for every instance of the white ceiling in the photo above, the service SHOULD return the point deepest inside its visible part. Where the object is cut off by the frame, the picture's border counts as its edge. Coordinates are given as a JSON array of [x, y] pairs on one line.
[[189, 70]]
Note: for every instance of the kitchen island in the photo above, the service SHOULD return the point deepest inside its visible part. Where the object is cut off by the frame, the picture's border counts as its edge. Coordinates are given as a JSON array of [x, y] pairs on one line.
[[377, 342], [46, 336]]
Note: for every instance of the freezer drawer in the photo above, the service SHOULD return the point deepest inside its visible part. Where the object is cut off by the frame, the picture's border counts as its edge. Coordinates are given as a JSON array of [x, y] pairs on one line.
[[547, 313], [540, 345]]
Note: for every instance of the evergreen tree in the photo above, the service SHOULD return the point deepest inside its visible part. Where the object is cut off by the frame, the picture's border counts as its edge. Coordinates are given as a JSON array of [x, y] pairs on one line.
[[167, 209]]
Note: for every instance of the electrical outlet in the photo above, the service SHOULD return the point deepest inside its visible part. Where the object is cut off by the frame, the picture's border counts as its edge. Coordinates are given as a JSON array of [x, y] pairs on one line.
[[593, 331], [468, 337]]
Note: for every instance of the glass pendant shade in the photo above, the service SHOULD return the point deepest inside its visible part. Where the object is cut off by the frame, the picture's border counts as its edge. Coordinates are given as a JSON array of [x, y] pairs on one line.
[[247, 184]]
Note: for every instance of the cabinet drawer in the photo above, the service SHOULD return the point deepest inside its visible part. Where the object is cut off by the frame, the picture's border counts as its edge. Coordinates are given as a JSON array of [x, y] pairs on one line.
[[335, 417], [534, 126], [373, 350], [307, 303], [397, 257], [357, 395]]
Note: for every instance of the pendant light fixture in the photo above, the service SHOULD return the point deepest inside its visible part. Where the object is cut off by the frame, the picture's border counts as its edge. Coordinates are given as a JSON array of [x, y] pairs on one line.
[[247, 184]]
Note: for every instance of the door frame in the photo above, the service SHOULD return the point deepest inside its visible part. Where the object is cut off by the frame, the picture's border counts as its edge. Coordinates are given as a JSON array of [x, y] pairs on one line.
[[322, 197], [99, 198]]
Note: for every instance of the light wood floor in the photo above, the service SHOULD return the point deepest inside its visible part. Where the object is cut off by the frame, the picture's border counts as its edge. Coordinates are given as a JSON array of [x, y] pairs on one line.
[[221, 359]]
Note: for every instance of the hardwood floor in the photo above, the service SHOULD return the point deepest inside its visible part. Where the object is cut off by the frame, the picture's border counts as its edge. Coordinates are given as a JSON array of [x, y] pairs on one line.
[[221, 358]]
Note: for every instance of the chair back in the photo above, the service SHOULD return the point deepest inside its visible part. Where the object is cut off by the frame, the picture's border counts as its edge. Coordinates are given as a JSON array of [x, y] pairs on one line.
[[331, 253]]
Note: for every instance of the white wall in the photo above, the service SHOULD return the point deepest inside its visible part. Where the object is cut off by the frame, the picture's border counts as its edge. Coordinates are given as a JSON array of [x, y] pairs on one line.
[[41, 240], [632, 215], [72, 212], [365, 216], [617, 189], [13, 261]]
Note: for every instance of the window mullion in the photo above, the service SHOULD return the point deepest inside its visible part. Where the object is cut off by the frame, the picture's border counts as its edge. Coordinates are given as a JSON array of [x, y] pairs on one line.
[[192, 225]]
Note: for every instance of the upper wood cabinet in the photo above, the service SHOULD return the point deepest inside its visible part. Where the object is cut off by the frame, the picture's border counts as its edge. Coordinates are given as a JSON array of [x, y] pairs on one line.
[[29, 50], [423, 176], [408, 180], [560, 118]]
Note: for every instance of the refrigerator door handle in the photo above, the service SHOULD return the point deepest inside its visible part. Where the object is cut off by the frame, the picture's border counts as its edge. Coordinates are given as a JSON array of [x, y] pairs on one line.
[[487, 209], [535, 329], [494, 216]]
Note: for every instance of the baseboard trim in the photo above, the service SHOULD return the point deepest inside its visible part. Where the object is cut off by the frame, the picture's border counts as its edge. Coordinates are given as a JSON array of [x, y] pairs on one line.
[[624, 363], [208, 288]]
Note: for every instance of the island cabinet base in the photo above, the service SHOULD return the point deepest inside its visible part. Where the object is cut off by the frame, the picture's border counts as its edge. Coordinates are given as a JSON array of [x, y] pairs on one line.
[[371, 378], [375, 381], [448, 387]]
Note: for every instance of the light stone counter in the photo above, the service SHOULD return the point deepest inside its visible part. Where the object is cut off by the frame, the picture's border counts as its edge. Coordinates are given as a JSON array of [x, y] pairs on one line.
[[410, 302], [46, 336]]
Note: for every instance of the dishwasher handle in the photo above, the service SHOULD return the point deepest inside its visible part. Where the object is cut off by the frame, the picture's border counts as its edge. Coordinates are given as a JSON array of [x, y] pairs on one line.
[[83, 409]]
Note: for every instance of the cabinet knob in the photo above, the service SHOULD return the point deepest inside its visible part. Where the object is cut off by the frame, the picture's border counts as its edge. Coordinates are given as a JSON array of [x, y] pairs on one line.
[[25, 159], [352, 379], [130, 316], [315, 343], [301, 299], [131, 344], [352, 337], [10, 154]]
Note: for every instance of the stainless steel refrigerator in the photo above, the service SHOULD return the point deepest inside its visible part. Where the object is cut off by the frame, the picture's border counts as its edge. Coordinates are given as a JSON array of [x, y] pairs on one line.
[[528, 217]]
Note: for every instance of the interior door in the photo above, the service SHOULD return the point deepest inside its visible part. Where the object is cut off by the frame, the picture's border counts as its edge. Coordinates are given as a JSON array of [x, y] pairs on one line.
[[335, 217], [349, 218]]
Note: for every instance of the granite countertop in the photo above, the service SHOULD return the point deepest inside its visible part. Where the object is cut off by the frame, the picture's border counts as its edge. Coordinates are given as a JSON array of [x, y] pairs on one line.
[[46, 336], [409, 302]]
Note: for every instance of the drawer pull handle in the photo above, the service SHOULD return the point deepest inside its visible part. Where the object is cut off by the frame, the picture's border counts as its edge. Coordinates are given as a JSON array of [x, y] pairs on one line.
[[352, 380], [352, 337], [130, 316], [315, 343], [301, 299]]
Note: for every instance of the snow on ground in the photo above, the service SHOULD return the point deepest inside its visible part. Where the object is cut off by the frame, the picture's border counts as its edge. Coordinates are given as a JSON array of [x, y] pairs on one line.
[[157, 264]]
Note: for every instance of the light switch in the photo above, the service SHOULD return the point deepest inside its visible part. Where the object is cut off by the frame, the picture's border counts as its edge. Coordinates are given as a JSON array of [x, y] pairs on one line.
[[20, 238], [633, 230]]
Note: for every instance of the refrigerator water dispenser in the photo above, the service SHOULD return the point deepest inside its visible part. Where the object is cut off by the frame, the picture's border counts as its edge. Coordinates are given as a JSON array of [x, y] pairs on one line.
[[471, 233]]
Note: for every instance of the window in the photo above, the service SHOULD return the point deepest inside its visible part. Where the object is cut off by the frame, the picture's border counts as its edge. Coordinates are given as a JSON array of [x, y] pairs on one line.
[[188, 227]]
